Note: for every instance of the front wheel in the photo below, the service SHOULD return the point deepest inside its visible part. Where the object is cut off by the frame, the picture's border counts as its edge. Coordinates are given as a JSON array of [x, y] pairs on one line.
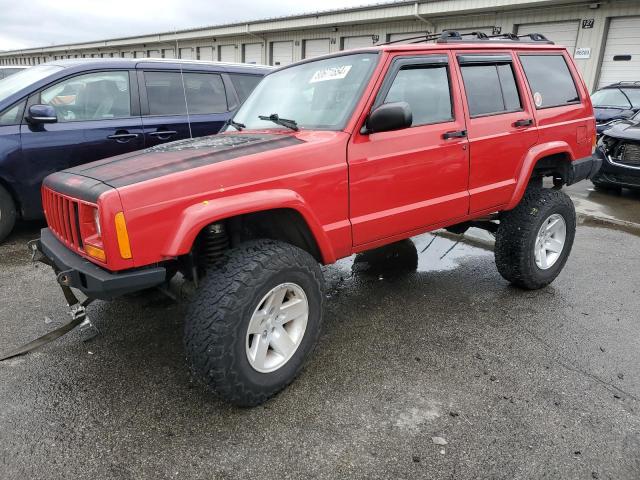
[[8, 214], [534, 239], [255, 321]]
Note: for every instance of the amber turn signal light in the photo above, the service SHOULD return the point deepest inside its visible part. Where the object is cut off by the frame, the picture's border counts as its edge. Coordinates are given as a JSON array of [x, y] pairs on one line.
[[123, 236], [95, 252]]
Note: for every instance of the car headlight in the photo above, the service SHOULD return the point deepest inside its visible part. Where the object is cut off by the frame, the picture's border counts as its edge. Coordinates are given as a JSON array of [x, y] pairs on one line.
[[96, 219]]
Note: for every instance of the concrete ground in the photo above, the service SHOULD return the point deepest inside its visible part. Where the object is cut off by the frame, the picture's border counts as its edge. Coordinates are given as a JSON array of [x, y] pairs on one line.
[[520, 385]]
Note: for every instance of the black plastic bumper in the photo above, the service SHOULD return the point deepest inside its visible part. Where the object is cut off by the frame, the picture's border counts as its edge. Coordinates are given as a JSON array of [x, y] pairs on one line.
[[615, 174], [583, 168], [95, 282]]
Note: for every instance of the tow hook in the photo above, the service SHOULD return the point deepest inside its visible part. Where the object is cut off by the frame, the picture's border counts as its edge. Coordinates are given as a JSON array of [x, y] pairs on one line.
[[78, 310]]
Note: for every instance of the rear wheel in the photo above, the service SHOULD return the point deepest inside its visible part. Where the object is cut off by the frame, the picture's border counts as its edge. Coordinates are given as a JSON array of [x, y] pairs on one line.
[[255, 321], [534, 240], [8, 213]]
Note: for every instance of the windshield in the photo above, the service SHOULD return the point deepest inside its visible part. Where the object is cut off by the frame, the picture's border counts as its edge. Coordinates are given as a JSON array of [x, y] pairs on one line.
[[317, 95], [617, 98], [24, 78]]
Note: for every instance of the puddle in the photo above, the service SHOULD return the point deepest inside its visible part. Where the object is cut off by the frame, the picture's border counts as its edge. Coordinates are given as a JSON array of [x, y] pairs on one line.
[[431, 252]]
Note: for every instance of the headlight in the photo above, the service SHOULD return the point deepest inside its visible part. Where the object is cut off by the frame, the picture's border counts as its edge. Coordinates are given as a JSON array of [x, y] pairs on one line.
[[96, 218]]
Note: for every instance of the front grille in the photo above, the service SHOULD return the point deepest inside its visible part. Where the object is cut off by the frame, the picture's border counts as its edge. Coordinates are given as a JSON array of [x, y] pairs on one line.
[[630, 154], [62, 215]]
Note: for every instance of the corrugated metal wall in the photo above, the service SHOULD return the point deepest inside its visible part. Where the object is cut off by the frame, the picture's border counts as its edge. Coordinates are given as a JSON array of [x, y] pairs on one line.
[[375, 22]]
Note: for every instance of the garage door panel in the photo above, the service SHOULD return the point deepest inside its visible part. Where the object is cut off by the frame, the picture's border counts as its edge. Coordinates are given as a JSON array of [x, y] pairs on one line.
[[227, 53], [281, 53], [363, 41], [252, 53], [561, 33], [316, 47], [623, 38], [205, 53], [398, 37]]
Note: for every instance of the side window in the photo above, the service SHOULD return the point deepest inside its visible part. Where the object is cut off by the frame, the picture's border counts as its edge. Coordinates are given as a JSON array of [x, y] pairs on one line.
[[205, 93], [94, 96], [426, 89], [245, 84], [165, 93], [550, 80], [12, 115], [491, 89]]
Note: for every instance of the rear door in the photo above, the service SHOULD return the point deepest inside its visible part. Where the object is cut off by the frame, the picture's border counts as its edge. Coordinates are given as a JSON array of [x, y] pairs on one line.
[[98, 117], [500, 125], [407, 180]]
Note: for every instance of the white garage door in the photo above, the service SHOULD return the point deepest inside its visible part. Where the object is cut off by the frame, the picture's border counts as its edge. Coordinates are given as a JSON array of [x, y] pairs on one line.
[[621, 60], [227, 53], [252, 53], [357, 42], [186, 53], [315, 48], [140, 54], [281, 53], [168, 53], [154, 54], [205, 53], [562, 33], [398, 37]]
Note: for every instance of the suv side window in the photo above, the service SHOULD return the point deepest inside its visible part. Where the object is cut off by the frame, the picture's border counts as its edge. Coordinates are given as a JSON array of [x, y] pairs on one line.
[[244, 84], [426, 89], [491, 88], [203, 92], [550, 80], [93, 96], [12, 115]]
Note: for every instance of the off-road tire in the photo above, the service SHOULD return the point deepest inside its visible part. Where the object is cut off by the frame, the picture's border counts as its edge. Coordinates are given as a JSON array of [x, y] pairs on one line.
[[517, 233], [8, 214], [218, 318]]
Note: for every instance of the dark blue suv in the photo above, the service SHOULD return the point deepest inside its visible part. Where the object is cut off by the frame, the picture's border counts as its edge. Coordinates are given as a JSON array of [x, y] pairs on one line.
[[61, 114]]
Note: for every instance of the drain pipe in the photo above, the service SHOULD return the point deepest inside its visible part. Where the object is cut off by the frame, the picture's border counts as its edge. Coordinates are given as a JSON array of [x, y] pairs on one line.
[[422, 19], [264, 44]]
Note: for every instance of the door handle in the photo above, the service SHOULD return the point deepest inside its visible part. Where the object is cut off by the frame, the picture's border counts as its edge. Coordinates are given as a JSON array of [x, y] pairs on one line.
[[123, 137], [456, 134], [163, 133], [526, 122]]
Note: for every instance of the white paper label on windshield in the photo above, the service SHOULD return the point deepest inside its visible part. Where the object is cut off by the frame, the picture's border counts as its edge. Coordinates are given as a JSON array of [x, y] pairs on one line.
[[334, 73]]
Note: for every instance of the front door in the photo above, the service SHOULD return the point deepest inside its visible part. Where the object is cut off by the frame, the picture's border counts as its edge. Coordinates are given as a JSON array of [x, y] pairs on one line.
[[96, 119], [405, 181]]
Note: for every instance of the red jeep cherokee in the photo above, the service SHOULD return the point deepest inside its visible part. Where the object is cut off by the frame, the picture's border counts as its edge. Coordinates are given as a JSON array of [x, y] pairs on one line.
[[328, 157]]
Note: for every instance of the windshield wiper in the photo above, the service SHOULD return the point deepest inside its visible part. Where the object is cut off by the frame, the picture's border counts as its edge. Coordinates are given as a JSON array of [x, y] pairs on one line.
[[237, 125], [285, 122]]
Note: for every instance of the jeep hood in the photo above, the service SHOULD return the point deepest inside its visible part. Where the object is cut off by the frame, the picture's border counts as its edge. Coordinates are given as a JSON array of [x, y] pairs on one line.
[[178, 156]]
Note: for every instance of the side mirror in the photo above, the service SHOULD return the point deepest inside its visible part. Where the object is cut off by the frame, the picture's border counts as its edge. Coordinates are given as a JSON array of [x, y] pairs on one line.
[[388, 117], [41, 114]]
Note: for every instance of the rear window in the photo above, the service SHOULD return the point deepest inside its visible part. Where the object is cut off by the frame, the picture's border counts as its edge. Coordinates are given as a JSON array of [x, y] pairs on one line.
[[550, 80], [245, 84], [491, 89]]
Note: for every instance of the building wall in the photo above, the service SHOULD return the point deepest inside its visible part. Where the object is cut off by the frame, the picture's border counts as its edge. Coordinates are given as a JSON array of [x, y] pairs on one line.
[[377, 22]]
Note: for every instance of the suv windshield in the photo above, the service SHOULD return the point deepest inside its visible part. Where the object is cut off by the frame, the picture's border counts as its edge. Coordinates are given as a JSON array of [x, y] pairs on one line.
[[317, 95], [24, 78], [617, 98]]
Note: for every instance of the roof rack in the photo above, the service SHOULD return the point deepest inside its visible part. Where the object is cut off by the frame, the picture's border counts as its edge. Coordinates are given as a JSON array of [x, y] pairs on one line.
[[625, 83], [453, 36]]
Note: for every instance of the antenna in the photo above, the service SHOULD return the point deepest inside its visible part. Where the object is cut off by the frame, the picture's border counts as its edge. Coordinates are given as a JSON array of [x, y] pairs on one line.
[[184, 88]]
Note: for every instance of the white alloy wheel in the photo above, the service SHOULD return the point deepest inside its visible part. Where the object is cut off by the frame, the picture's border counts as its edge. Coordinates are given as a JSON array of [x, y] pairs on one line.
[[550, 241]]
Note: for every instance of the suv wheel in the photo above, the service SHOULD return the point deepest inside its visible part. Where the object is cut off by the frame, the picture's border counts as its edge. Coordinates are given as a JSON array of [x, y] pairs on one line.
[[255, 320], [534, 240], [7, 214]]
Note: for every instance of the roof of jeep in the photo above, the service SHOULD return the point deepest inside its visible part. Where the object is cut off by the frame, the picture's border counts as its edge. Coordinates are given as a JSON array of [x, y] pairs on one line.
[[451, 45]]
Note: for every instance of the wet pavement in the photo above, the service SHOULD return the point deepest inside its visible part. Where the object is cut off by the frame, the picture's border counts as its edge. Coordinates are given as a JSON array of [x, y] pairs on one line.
[[598, 206], [423, 342]]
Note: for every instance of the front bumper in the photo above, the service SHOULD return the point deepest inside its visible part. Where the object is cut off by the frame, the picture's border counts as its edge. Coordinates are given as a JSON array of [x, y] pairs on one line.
[[95, 282], [614, 173], [582, 169]]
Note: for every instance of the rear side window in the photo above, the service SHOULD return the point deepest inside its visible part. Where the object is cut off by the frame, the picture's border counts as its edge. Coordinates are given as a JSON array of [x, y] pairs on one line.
[[245, 84], [167, 95], [491, 89], [550, 80], [426, 89], [205, 93]]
